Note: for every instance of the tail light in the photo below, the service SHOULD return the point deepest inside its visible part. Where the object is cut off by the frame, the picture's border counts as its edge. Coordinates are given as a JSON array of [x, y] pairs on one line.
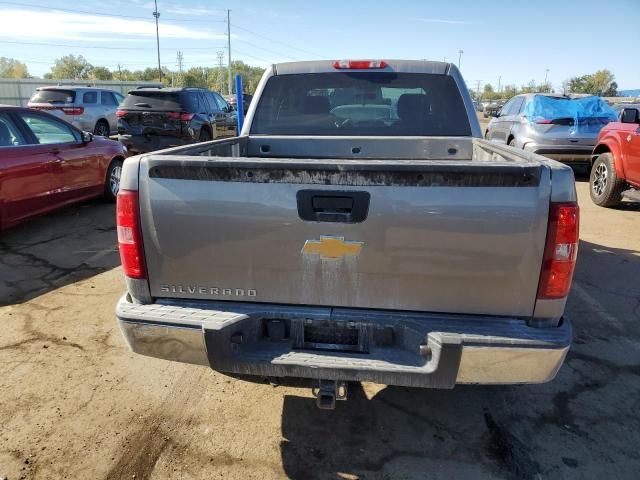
[[182, 116], [130, 234], [73, 110], [359, 64], [560, 251], [121, 113]]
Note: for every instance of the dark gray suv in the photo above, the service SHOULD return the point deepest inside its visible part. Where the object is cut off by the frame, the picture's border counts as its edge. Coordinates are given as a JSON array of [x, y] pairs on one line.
[[156, 118]]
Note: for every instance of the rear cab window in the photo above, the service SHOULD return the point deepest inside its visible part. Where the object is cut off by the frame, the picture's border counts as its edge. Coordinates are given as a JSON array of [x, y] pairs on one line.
[[54, 96], [361, 103], [152, 100]]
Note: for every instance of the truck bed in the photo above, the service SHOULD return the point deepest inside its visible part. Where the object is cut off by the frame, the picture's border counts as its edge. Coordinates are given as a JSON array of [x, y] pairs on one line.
[[452, 225]]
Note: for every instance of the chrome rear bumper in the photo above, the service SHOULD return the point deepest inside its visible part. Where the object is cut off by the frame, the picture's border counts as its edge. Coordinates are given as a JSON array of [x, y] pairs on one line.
[[403, 348]]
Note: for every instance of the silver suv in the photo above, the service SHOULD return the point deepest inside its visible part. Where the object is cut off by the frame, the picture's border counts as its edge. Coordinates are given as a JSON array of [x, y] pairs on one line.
[[88, 108], [561, 127]]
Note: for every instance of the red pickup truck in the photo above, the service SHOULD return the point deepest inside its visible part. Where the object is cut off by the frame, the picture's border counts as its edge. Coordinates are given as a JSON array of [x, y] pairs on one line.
[[616, 159]]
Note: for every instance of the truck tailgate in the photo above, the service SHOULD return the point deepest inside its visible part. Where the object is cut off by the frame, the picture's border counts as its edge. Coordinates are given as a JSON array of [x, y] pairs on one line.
[[454, 237]]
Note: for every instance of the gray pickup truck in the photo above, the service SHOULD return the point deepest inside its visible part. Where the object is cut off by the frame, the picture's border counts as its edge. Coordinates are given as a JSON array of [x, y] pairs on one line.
[[359, 229]]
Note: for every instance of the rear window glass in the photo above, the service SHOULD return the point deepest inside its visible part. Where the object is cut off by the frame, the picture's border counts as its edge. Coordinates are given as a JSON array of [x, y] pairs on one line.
[[152, 100], [361, 103], [54, 96]]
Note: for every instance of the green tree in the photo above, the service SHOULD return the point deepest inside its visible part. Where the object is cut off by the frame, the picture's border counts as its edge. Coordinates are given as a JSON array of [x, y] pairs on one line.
[[12, 68], [250, 75], [71, 67], [101, 73], [531, 87], [599, 83]]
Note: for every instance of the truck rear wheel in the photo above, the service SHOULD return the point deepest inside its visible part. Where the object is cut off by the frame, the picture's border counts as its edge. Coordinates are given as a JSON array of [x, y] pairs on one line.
[[604, 185]]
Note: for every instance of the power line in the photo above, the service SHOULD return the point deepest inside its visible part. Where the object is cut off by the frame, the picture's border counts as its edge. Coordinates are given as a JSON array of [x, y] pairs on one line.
[[244, 54], [267, 49], [277, 41], [86, 12]]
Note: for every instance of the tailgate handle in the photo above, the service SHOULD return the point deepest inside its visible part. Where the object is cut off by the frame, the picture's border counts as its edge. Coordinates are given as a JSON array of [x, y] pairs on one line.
[[332, 206]]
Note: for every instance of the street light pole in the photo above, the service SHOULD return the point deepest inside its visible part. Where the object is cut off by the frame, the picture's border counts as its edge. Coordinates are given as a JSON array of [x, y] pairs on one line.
[[460, 52], [546, 72], [157, 15]]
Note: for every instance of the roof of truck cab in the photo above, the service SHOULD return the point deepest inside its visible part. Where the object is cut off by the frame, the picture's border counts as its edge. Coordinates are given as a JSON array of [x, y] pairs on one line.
[[326, 66]]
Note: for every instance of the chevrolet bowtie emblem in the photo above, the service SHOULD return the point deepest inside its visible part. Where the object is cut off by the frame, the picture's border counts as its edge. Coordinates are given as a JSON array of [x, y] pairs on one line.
[[332, 248]]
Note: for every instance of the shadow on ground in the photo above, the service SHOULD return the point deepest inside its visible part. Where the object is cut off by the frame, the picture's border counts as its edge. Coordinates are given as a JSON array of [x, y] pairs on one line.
[[584, 424], [57, 249]]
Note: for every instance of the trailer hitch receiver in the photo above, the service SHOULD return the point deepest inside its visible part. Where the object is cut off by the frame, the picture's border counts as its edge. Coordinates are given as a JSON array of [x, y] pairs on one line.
[[327, 392]]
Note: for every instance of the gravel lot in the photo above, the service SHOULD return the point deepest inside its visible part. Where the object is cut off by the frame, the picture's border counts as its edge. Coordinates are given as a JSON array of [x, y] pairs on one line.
[[74, 403]]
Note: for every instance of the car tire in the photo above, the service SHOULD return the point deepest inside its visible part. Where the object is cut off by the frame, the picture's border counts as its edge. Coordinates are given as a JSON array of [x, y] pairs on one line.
[[112, 181], [101, 129], [604, 185], [205, 135]]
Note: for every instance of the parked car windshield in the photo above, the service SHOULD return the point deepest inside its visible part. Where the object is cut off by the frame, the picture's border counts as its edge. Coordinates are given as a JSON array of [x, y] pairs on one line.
[[53, 96], [358, 103], [157, 100]]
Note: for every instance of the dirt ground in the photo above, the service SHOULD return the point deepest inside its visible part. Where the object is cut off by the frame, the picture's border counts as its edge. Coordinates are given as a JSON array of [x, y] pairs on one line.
[[75, 403]]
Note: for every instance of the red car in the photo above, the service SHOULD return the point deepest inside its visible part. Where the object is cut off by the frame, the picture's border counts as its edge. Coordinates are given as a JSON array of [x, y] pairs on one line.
[[616, 159], [46, 163]]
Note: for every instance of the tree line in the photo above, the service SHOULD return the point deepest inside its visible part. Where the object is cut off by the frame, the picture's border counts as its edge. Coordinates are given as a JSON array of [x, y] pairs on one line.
[[601, 83], [72, 67]]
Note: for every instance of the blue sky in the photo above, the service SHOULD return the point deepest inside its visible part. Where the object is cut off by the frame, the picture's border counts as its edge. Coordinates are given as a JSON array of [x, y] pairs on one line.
[[513, 39]]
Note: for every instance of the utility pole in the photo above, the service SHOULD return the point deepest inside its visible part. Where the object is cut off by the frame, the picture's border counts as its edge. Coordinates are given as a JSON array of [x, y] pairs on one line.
[[179, 60], [157, 15], [499, 81], [229, 47], [460, 52], [478, 89], [119, 72], [220, 79]]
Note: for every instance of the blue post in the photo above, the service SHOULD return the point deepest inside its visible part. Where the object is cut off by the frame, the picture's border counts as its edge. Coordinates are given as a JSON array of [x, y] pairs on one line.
[[239, 104]]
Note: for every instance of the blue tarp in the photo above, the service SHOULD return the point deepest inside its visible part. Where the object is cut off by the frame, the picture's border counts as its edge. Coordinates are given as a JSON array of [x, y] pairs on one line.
[[549, 108]]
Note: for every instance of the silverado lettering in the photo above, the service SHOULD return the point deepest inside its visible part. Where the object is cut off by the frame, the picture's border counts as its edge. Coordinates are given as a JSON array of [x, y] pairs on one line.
[[200, 290]]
